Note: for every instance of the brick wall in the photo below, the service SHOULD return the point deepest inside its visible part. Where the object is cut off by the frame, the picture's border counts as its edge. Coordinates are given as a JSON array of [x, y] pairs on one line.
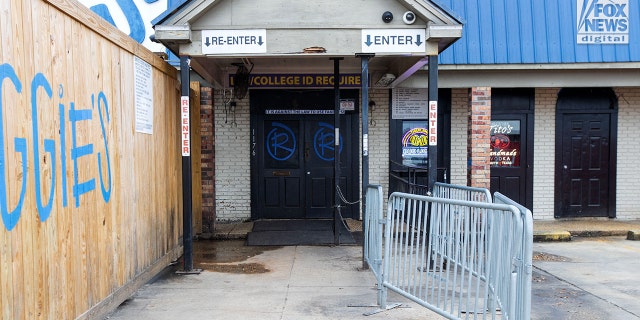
[[379, 139], [459, 135], [232, 162], [544, 146], [227, 196], [208, 157], [627, 186], [479, 137]]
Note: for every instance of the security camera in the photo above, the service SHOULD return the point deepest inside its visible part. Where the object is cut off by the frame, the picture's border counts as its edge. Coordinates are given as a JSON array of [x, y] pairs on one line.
[[387, 16], [409, 17]]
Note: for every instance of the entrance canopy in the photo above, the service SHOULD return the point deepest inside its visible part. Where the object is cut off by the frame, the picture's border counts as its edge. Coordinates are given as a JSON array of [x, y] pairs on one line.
[[293, 37]]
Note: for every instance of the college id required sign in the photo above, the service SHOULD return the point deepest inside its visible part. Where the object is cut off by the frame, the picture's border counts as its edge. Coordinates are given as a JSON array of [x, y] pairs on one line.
[[603, 21]]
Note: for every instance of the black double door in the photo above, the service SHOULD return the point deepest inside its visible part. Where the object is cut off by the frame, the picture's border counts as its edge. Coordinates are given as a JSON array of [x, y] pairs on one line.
[[294, 156]]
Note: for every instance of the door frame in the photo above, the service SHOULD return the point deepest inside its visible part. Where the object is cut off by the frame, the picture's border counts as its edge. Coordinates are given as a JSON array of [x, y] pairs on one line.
[[526, 162], [444, 142], [353, 187], [575, 101], [518, 102]]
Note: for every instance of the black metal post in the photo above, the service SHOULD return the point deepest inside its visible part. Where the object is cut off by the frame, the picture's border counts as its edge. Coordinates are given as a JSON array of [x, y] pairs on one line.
[[433, 121], [364, 90], [336, 151], [187, 236]]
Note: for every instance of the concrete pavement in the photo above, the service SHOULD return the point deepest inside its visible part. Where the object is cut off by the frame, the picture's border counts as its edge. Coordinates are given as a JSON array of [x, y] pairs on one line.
[[585, 278], [588, 278], [303, 282]]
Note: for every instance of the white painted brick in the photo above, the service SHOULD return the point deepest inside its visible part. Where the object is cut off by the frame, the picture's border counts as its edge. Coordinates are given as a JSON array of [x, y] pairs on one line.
[[544, 153], [232, 152], [459, 134], [628, 174]]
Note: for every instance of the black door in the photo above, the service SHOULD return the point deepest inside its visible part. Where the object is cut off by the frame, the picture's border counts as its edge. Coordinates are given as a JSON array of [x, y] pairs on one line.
[[294, 152], [586, 126], [282, 176], [511, 154], [509, 157], [584, 171]]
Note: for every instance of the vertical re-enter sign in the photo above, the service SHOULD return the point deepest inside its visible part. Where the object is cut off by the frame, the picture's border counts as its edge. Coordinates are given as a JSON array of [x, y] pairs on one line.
[[184, 124], [433, 123]]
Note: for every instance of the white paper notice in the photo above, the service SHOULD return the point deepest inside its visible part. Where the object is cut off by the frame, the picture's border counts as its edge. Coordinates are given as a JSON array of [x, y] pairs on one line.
[[143, 95], [410, 103]]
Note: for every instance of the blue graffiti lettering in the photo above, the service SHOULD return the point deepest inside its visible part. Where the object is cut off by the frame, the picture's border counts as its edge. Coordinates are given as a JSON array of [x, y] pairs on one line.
[[103, 11], [324, 142], [102, 99], [63, 146], [10, 217], [39, 81], [77, 117], [131, 13], [280, 142], [77, 152]]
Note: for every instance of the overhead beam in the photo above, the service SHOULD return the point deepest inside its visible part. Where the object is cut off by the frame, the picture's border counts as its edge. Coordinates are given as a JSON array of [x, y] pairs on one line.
[[216, 78], [409, 71]]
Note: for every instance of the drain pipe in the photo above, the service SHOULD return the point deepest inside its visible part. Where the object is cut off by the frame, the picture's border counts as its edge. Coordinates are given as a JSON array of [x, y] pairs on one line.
[[336, 150]]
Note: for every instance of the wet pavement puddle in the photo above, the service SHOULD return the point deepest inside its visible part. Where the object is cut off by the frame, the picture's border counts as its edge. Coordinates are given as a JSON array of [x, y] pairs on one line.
[[228, 256]]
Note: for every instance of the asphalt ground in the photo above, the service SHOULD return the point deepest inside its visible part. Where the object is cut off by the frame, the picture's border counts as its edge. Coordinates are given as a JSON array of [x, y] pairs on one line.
[[587, 278]]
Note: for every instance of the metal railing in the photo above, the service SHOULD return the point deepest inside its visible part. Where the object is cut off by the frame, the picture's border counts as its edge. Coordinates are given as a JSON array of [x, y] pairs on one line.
[[374, 215], [462, 259], [524, 260], [411, 179], [458, 192]]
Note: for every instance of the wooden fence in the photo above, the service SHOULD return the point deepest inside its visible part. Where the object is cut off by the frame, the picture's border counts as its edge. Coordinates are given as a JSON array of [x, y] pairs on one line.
[[90, 167]]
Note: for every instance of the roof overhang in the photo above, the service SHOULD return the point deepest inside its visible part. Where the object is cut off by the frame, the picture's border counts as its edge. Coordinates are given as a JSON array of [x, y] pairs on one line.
[[301, 36]]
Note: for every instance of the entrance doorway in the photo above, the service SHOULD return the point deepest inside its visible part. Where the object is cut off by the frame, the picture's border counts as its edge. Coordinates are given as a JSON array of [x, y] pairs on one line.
[[293, 154], [585, 153], [512, 144]]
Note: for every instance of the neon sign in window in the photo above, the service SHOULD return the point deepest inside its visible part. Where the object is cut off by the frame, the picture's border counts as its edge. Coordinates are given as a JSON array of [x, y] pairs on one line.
[[415, 143], [505, 143]]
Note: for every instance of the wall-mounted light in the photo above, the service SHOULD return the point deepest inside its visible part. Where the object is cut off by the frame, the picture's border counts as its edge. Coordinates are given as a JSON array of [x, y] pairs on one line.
[[386, 80], [372, 105]]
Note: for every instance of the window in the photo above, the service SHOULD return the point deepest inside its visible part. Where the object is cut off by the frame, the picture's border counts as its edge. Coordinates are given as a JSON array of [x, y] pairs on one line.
[[505, 143], [415, 143]]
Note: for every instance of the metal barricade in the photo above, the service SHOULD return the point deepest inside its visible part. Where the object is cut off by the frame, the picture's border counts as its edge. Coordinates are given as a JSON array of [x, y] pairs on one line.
[[524, 261], [462, 266], [373, 218], [458, 192]]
